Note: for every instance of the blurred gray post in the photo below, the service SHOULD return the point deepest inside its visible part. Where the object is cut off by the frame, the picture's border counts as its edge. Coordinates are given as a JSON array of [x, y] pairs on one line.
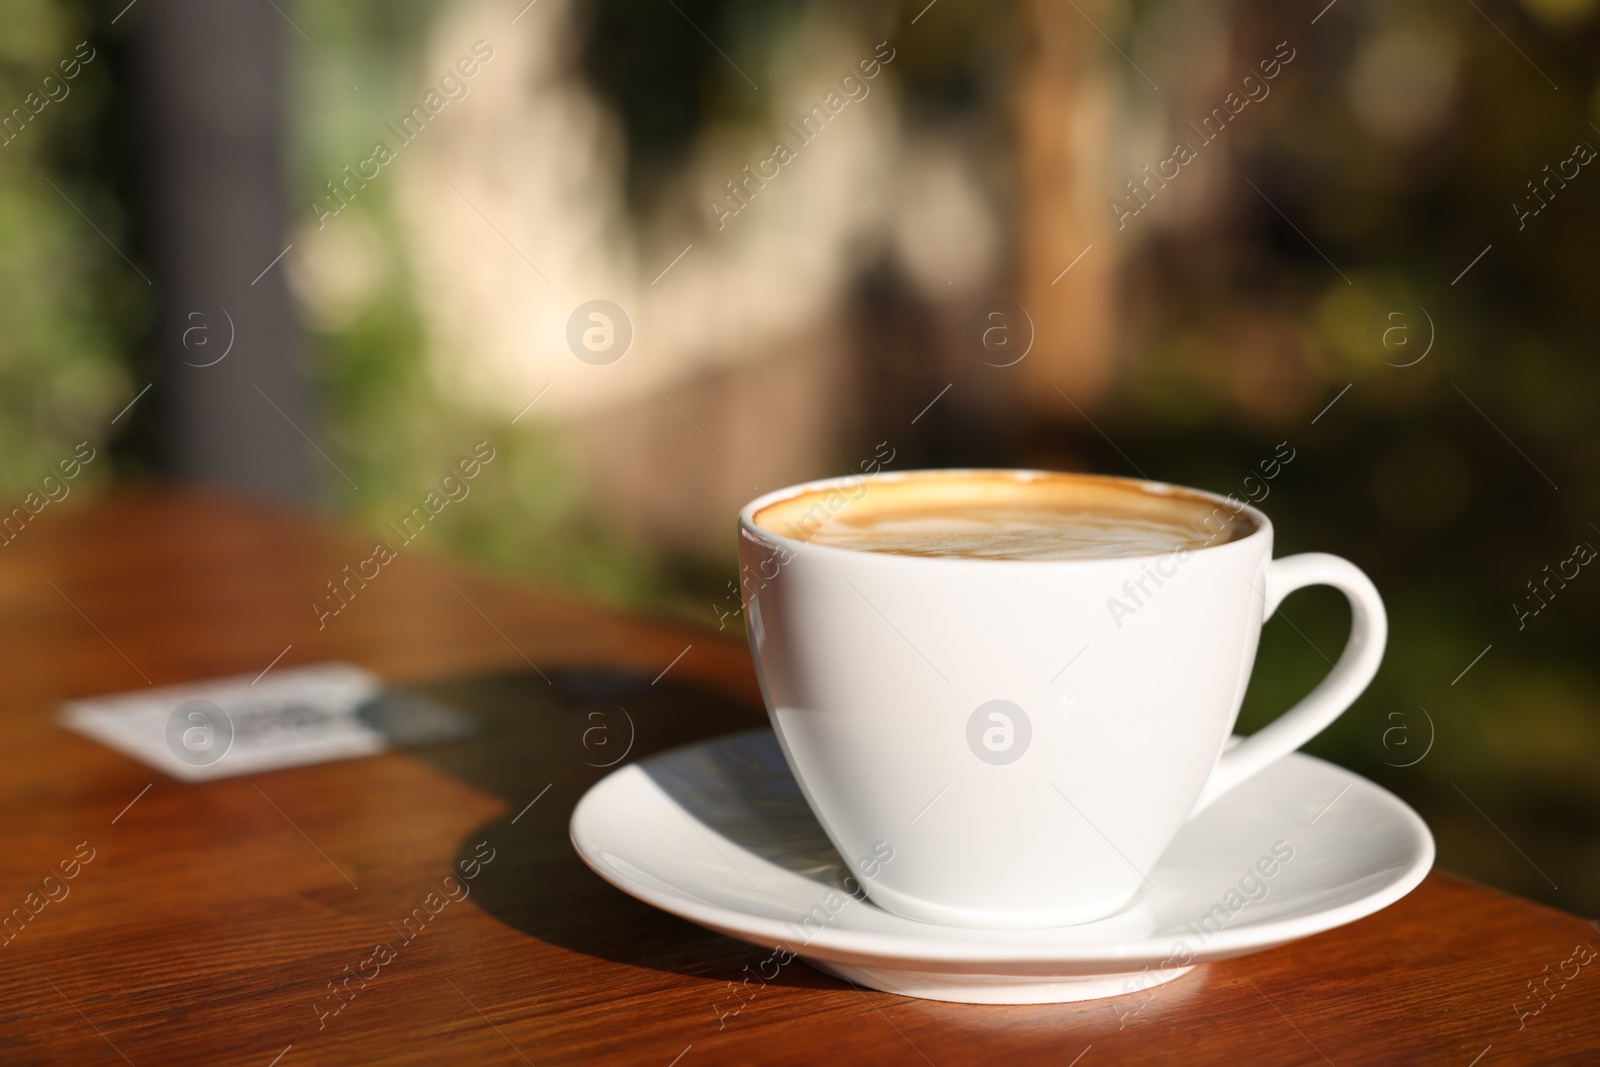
[[213, 96]]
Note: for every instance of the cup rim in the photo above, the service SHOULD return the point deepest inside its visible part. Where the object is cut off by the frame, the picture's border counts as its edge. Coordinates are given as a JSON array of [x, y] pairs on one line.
[[747, 523]]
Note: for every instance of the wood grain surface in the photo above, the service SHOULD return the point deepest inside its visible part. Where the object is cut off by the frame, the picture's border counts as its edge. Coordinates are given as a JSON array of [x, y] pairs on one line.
[[212, 917]]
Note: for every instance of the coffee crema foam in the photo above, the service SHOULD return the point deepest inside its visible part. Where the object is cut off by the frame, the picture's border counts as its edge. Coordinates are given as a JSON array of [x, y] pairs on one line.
[[1005, 516]]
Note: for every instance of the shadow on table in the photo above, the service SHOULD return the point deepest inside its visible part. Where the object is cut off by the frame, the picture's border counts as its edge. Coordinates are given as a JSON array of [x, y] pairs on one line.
[[539, 744]]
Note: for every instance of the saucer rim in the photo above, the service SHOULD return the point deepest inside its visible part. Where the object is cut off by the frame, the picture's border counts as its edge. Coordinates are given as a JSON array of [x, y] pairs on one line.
[[926, 946]]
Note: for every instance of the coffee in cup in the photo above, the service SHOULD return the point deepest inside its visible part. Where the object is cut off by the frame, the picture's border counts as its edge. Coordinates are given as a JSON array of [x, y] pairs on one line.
[[981, 515]]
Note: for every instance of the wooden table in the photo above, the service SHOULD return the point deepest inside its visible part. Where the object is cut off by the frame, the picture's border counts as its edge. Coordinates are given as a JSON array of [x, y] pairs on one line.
[[213, 916]]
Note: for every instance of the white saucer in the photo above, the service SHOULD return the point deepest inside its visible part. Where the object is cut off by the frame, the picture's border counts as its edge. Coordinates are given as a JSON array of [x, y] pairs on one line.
[[719, 834]]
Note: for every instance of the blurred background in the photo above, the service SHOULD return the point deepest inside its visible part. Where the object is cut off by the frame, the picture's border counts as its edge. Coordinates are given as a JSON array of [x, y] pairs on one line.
[[664, 254]]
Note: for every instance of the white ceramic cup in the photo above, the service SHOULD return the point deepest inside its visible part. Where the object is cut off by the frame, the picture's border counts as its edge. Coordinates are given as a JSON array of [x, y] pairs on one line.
[[1023, 751]]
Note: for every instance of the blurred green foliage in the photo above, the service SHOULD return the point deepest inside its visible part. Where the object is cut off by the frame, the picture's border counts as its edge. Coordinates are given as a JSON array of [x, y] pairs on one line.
[[383, 412], [69, 307], [1439, 478]]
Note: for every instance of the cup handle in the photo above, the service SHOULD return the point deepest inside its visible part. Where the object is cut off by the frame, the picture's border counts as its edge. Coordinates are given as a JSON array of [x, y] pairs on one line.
[[1369, 631]]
